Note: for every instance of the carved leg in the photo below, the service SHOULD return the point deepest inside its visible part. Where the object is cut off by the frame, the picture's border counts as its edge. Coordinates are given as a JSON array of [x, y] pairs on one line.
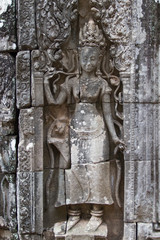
[[74, 216], [96, 218]]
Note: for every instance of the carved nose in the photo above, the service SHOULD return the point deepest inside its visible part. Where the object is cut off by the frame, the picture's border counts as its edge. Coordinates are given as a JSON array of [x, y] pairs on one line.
[[88, 64]]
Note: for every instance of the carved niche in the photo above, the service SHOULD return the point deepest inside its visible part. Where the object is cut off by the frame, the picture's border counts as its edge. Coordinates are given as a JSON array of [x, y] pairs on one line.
[[76, 80]]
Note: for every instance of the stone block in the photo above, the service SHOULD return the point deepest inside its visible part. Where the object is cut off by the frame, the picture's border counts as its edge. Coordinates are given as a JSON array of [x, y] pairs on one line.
[[30, 149], [88, 183], [8, 26], [78, 232], [145, 232], [30, 237], [139, 191], [7, 94], [130, 231], [8, 154], [30, 202], [8, 212], [55, 209], [6, 235], [140, 134], [38, 62], [23, 79], [58, 17], [26, 25]]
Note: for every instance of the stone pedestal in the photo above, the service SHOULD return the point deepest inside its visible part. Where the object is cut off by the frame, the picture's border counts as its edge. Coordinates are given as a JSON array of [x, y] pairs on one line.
[[79, 232]]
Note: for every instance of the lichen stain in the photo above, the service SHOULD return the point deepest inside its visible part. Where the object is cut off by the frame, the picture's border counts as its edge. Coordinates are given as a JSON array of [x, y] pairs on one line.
[[139, 33]]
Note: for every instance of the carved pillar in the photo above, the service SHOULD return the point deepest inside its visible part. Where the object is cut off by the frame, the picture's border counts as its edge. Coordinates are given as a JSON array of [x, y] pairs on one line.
[[30, 173], [8, 152]]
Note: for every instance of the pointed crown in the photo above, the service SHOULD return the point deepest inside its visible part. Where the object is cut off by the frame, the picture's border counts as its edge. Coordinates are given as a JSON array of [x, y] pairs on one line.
[[91, 35]]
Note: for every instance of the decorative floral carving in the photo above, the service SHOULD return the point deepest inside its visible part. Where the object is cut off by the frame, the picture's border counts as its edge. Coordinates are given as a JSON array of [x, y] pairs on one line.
[[24, 158], [23, 79], [7, 87], [54, 22], [122, 56], [115, 17], [26, 24], [24, 202]]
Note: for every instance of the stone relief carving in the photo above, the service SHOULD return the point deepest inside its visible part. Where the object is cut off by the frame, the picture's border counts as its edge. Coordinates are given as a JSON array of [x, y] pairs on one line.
[[7, 93], [81, 135], [8, 26], [54, 23], [27, 38], [71, 149], [114, 17], [23, 76], [8, 218]]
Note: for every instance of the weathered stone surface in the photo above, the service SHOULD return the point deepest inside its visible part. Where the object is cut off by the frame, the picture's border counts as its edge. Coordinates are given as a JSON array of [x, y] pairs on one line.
[[130, 231], [7, 94], [8, 202], [8, 25], [54, 195], [81, 186], [6, 235], [30, 149], [140, 134], [30, 237], [30, 202], [62, 154], [79, 232], [8, 154], [37, 92], [57, 16], [82, 142], [147, 232], [142, 86], [23, 79], [139, 191], [26, 25]]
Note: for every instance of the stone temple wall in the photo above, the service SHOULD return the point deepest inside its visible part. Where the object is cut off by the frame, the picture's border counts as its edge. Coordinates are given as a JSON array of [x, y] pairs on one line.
[[44, 193]]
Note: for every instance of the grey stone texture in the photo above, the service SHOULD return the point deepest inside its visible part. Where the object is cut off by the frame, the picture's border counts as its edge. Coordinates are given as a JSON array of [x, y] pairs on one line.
[[8, 138], [8, 26], [79, 120], [23, 79], [130, 231], [7, 96], [38, 64], [8, 154], [26, 24], [30, 202], [30, 148], [8, 218]]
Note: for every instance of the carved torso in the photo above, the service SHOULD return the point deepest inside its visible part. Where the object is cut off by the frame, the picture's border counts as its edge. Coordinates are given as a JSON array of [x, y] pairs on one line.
[[86, 90]]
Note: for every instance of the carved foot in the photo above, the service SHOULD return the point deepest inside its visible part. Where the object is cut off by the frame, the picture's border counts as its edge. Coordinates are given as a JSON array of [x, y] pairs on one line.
[[59, 228], [94, 224], [72, 221]]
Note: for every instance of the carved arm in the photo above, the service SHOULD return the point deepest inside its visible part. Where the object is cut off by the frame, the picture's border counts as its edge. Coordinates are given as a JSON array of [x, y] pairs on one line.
[[62, 96], [106, 107]]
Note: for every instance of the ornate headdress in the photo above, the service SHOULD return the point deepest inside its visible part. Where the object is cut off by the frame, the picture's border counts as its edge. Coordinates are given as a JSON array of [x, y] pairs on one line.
[[91, 35]]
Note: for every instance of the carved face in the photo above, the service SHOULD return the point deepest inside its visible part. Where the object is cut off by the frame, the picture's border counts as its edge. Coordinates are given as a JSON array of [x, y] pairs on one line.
[[89, 57]]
